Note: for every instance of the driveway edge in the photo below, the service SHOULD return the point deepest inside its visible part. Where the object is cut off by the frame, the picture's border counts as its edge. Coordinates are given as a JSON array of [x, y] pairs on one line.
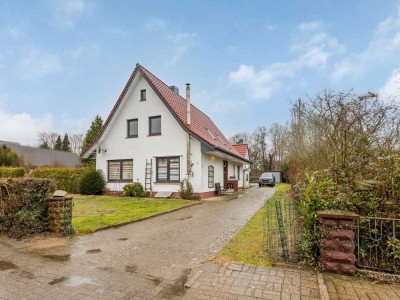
[[145, 218]]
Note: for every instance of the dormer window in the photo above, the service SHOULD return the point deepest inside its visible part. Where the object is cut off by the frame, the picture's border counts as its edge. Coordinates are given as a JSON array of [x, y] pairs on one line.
[[142, 95]]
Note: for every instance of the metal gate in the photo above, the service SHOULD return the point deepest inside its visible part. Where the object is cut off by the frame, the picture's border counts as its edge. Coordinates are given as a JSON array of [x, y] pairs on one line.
[[378, 244]]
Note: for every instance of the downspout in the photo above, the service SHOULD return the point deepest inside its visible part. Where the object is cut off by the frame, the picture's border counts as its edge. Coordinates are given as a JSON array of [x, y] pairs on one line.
[[188, 138]]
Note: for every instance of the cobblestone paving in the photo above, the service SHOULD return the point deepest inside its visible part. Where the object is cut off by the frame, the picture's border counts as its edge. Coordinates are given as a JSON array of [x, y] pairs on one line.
[[145, 260], [238, 281], [346, 288]]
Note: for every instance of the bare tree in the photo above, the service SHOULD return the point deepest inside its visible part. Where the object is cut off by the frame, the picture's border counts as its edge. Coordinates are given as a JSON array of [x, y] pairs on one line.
[[48, 138], [76, 142]]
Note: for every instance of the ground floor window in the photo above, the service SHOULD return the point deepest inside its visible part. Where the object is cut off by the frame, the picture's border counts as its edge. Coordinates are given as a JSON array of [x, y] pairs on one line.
[[120, 170], [238, 167], [210, 176], [168, 169]]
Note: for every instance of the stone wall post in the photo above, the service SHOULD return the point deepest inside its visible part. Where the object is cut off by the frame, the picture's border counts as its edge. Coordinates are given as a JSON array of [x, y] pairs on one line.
[[60, 214], [338, 241]]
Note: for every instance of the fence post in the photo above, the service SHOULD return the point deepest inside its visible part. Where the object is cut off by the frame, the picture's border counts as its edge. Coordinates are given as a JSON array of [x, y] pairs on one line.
[[338, 241]]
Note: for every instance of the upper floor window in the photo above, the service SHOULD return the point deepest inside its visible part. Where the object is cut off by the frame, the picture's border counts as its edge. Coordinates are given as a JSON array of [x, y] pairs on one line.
[[155, 125], [142, 95], [133, 128]]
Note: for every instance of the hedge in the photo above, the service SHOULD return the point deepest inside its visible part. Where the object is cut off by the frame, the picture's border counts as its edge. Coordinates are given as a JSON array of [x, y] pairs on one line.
[[12, 172], [23, 206], [66, 179]]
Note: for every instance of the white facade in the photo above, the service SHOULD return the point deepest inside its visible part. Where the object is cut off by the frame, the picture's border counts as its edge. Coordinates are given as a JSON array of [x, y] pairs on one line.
[[114, 144]]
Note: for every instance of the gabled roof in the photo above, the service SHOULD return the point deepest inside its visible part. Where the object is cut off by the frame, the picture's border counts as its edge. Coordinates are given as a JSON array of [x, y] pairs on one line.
[[201, 125], [241, 149]]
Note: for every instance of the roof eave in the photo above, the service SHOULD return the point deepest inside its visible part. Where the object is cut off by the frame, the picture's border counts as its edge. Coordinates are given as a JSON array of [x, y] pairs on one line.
[[232, 154]]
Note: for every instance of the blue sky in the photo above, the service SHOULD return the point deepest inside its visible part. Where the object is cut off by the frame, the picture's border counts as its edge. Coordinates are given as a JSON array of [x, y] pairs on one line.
[[62, 62]]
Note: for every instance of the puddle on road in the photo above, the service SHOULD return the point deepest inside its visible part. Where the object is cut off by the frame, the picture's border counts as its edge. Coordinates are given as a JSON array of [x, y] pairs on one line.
[[185, 218], [93, 251], [122, 239], [58, 280], [57, 257], [24, 274], [73, 281], [6, 265], [131, 269]]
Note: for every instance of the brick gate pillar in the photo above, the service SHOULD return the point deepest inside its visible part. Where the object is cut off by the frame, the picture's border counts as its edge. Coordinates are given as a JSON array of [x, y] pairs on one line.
[[338, 241]]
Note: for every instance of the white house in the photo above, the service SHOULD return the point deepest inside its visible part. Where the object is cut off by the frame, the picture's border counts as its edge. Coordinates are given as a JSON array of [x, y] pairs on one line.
[[156, 137]]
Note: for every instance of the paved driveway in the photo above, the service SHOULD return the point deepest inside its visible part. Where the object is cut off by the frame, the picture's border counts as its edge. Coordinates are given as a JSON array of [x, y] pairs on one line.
[[149, 259]]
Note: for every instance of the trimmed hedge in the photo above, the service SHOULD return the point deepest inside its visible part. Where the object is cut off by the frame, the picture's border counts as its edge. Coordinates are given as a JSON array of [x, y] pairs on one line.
[[67, 179], [12, 172], [23, 206]]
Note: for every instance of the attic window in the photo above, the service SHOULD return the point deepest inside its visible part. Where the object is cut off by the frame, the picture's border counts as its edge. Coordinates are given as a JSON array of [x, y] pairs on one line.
[[142, 95], [209, 132]]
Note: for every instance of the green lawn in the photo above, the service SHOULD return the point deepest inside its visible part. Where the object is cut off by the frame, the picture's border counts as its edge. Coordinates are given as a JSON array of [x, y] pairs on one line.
[[248, 246], [94, 212]]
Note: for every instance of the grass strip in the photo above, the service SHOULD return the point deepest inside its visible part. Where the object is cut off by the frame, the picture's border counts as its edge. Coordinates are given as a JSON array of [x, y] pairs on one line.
[[94, 212], [248, 246]]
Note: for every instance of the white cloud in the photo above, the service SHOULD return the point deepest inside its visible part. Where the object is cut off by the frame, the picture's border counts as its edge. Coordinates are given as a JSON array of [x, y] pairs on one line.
[[262, 84], [310, 26], [118, 31], [37, 63], [22, 127], [391, 89], [181, 43], [155, 24], [15, 32], [310, 49], [85, 51], [385, 44], [67, 11]]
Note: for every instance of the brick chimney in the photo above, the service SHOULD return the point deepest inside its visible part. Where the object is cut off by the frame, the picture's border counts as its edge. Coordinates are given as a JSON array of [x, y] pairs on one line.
[[188, 104]]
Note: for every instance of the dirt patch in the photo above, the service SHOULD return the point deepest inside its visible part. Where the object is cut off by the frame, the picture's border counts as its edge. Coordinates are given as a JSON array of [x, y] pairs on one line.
[[220, 259], [178, 287], [26, 274], [122, 239], [107, 269], [57, 257], [6, 265], [58, 280], [185, 218], [131, 269], [93, 251], [155, 280], [38, 242]]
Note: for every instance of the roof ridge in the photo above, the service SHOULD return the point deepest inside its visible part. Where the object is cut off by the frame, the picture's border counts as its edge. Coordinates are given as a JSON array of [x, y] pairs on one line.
[[191, 104]]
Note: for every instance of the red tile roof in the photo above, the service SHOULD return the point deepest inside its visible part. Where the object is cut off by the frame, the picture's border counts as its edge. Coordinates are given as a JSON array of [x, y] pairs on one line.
[[201, 125], [241, 149]]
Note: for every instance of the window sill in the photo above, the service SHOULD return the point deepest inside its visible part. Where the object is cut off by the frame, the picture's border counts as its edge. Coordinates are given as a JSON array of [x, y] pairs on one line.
[[154, 134], [141, 100], [132, 136], [120, 181], [170, 182]]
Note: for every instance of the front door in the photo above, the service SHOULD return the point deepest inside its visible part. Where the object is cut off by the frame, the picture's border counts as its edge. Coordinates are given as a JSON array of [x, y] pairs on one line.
[[225, 174]]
